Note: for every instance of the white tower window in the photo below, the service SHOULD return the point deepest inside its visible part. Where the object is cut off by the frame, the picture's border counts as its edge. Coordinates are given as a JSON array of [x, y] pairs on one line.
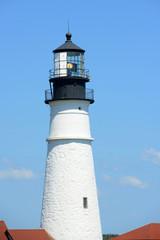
[[85, 202]]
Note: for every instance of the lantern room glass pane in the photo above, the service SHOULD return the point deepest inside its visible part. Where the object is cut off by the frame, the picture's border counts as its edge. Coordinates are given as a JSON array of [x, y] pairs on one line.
[[69, 64], [60, 64], [75, 64]]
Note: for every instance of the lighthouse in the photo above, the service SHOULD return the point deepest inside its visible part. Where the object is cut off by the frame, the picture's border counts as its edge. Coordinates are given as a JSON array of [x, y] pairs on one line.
[[70, 205]]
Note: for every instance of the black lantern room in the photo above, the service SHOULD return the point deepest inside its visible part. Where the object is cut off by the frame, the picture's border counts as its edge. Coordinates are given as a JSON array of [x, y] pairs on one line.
[[69, 77]]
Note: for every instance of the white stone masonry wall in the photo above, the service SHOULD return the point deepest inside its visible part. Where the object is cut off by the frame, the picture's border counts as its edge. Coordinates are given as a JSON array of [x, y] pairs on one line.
[[69, 178], [70, 175]]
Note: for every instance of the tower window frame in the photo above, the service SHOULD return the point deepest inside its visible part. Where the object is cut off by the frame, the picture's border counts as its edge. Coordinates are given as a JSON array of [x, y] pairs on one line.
[[85, 202]]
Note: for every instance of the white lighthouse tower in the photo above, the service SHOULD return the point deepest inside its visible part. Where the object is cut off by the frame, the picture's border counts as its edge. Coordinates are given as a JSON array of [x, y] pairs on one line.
[[70, 206]]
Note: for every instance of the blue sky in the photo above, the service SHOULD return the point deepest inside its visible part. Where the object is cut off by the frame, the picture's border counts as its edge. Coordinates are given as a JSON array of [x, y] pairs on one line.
[[121, 39]]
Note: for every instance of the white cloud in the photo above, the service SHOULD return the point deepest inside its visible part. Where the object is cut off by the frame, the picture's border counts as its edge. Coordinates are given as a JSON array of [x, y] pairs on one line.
[[98, 192], [17, 174], [151, 155], [132, 181], [107, 178], [133, 214], [119, 159], [7, 160]]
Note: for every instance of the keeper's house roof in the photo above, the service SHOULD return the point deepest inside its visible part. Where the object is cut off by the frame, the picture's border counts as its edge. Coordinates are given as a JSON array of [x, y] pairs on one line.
[[150, 231], [23, 234]]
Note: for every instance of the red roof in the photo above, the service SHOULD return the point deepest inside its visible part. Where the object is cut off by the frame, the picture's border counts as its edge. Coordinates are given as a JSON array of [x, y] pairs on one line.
[[24, 234], [3, 228], [29, 234], [150, 231]]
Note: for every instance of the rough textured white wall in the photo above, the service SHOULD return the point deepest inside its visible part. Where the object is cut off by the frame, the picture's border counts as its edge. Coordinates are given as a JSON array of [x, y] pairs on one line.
[[70, 177], [68, 121]]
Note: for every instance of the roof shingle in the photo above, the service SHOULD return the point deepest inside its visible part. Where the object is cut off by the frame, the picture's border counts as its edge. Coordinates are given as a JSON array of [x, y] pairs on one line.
[[3, 228], [24, 234], [150, 231]]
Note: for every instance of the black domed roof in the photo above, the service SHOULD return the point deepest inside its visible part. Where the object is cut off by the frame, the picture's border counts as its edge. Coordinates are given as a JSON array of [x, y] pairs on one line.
[[68, 46]]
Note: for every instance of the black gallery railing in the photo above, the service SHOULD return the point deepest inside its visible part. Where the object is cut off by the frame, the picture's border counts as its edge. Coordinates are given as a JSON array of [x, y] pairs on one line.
[[67, 72], [89, 95]]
